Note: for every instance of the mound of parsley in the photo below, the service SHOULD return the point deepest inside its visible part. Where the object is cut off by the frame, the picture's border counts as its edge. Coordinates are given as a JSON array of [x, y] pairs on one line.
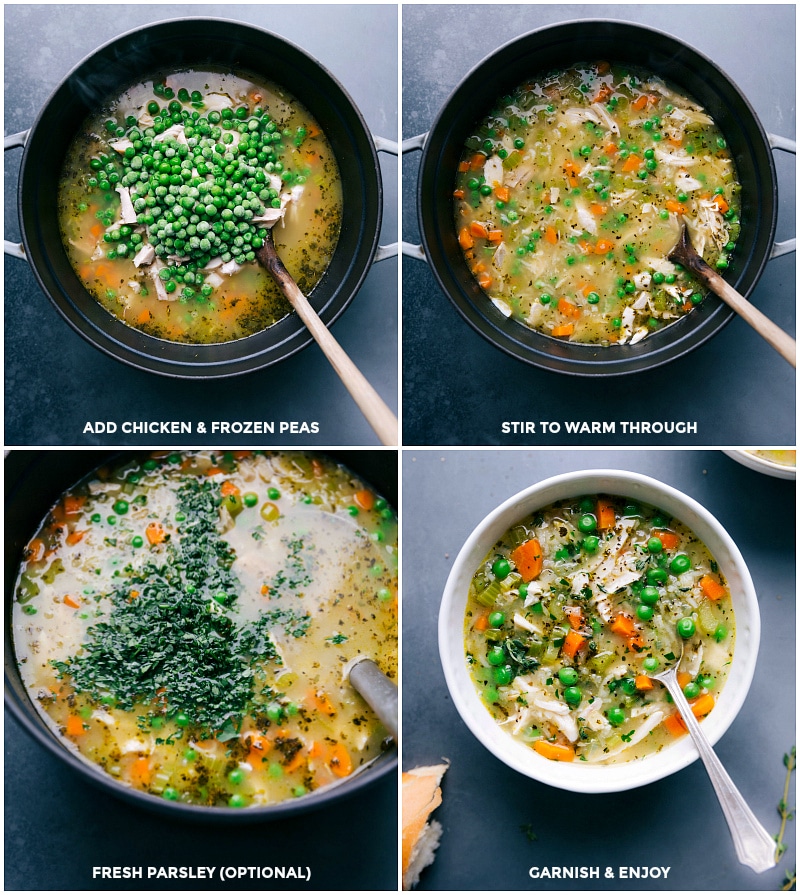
[[174, 646]]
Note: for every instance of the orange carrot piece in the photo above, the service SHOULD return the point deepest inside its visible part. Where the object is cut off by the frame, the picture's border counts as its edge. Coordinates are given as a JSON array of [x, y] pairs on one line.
[[683, 678], [36, 550], [155, 533], [476, 228], [72, 504], [485, 280], [554, 751], [550, 235], [611, 148], [643, 682], [721, 203], [711, 588], [340, 762], [669, 540], [568, 309], [597, 209], [674, 724], [140, 772], [74, 726], [603, 67], [75, 537], [639, 103], [606, 518], [465, 239], [364, 499], [495, 236], [463, 167], [575, 616], [675, 206], [477, 161], [529, 559], [503, 193], [458, 194], [320, 702], [73, 604], [631, 163], [602, 94], [603, 246], [703, 705], [564, 329], [623, 625], [572, 643], [481, 623], [228, 489]]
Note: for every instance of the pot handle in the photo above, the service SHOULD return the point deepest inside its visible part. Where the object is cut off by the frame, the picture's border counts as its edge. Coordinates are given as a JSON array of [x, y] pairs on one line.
[[788, 245], [15, 141], [413, 144], [382, 144]]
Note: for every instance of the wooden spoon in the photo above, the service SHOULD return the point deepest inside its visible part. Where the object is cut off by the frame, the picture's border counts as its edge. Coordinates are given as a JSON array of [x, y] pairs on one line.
[[377, 414], [686, 255]]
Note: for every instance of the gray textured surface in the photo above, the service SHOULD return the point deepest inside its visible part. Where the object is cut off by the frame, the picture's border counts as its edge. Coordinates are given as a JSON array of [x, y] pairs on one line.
[[457, 388], [55, 381], [675, 822]]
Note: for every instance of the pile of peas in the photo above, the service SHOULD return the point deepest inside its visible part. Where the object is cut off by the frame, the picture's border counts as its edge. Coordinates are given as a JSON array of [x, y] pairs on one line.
[[195, 199]]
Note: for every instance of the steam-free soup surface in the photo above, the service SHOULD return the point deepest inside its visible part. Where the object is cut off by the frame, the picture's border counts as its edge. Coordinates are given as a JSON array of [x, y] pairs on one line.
[[569, 197], [573, 610], [184, 622], [168, 191]]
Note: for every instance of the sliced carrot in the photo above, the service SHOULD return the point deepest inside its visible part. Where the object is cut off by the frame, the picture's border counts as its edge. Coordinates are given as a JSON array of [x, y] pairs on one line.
[[529, 559], [602, 94], [606, 517], [36, 550], [631, 163], [140, 772], [495, 236], [575, 616], [73, 604], [683, 678], [712, 588], [675, 206], [564, 329], [320, 701], [465, 239], [502, 192], [214, 470], [481, 623], [228, 489], [463, 167], [597, 209], [340, 762], [74, 726], [554, 751], [550, 235], [623, 625], [568, 309], [155, 533], [674, 724], [75, 537], [477, 161], [297, 762], [639, 103], [458, 194], [72, 504], [485, 280], [364, 499], [611, 148], [96, 230], [572, 644], [669, 540], [144, 317], [721, 203], [571, 170], [703, 705], [643, 682], [476, 228], [675, 141], [603, 246]]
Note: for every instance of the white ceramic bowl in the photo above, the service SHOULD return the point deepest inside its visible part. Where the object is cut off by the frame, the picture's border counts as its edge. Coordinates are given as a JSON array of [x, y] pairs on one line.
[[763, 464], [579, 776]]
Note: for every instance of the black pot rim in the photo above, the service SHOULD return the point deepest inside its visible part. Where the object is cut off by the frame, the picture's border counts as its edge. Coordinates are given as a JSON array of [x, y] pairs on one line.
[[36, 727], [549, 353], [239, 356]]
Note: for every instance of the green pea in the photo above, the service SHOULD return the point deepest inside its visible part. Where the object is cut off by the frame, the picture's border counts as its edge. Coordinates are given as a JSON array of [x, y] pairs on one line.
[[170, 794], [650, 663], [680, 564], [497, 619], [644, 613], [250, 498], [236, 776], [568, 676], [273, 493], [591, 544], [137, 541], [182, 719], [496, 655], [616, 716], [190, 754], [720, 633], [573, 696], [593, 298], [656, 576], [274, 711], [685, 627], [121, 507], [501, 568], [523, 591], [237, 800], [654, 545], [587, 522], [503, 675], [691, 690]]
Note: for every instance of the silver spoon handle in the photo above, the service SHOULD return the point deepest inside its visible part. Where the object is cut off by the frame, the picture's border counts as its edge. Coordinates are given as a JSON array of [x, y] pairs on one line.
[[754, 846]]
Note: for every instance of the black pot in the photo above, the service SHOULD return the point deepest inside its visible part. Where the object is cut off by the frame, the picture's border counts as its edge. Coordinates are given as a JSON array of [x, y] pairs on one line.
[[190, 43], [34, 482], [559, 46]]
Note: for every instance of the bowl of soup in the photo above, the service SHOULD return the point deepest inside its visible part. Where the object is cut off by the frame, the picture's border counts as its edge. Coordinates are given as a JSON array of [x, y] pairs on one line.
[[152, 174], [566, 599], [553, 183], [778, 463], [178, 624]]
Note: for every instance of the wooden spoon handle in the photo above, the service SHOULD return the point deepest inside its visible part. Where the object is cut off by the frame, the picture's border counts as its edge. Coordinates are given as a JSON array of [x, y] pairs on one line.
[[783, 343]]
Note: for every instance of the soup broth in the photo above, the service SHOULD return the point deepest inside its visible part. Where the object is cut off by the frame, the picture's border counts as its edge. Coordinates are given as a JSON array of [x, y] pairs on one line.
[[183, 621], [569, 197], [574, 609], [167, 193]]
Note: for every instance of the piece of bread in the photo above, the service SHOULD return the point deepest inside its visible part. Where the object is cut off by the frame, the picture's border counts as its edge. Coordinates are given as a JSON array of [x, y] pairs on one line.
[[421, 796]]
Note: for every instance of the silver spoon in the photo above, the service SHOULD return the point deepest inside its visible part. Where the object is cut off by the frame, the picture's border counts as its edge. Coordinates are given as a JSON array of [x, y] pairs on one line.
[[754, 845], [378, 691]]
